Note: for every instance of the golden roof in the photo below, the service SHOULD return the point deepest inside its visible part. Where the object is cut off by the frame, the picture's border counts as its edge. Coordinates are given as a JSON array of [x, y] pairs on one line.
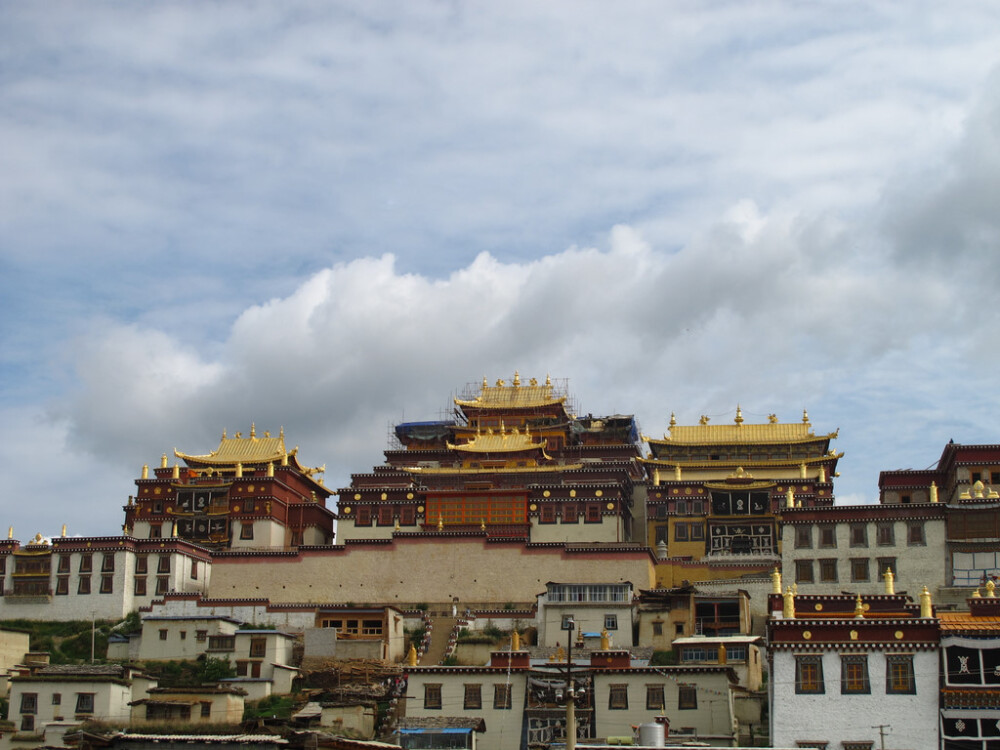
[[243, 450], [739, 433], [513, 396], [499, 442]]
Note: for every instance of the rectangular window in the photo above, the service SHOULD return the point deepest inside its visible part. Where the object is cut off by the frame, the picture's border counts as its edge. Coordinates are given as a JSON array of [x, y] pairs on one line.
[[140, 586], [828, 570], [162, 585], [887, 563], [28, 723], [163, 634], [242, 668], [62, 585], [899, 674], [854, 674], [163, 564], [154, 531], [258, 647], [363, 516], [56, 699], [385, 515], [697, 532], [886, 534], [611, 622], [569, 513], [687, 697], [83, 587], [828, 536], [618, 697], [657, 628], [29, 703], [85, 703], [86, 563], [184, 635], [803, 537], [194, 570], [859, 569], [201, 635], [246, 530], [859, 535], [63, 564], [206, 709], [915, 534], [140, 564], [548, 513], [501, 696], [432, 695], [654, 698], [680, 532], [593, 513], [108, 563], [809, 674], [682, 507], [107, 584], [473, 697], [804, 571]]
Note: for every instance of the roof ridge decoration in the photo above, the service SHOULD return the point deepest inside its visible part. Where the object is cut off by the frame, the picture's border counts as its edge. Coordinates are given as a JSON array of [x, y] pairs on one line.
[[252, 450], [740, 431], [513, 396]]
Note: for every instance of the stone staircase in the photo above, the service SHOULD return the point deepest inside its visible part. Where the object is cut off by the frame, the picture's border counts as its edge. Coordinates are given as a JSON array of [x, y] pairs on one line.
[[441, 631]]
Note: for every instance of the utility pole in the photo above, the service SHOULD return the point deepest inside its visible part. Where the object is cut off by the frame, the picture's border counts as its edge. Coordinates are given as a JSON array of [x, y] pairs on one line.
[[881, 732], [569, 625]]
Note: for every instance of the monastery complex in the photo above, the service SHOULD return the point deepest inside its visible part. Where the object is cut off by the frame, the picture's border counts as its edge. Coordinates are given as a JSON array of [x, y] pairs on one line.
[[719, 542]]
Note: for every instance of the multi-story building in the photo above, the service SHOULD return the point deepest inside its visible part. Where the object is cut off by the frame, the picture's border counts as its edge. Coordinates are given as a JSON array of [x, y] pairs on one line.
[[716, 492], [513, 463], [249, 493], [852, 671]]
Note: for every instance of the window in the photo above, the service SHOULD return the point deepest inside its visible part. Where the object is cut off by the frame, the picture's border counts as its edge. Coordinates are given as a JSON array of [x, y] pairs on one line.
[[803, 537], [828, 570], [658, 628], [854, 674], [432, 695], [56, 699], [140, 564], [828, 536], [860, 745], [62, 585], [194, 570], [108, 563], [473, 697], [611, 622], [201, 635], [385, 515], [687, 697], [859, 535], [246, 530], [140, 586], [593, 513], [682, 507], [184, 635], [163, 634], [222, 643], [162, 585], [83, 587], [29, 703], [618, 697], [887, 563], [547, 513], [206, 709], [242, 668], [407, 516], [654, 698], [859, 569], [886, 534], [809, 674], [85, 703], [678, 628], [258, 647], [63, 564], [569, 513], [804, 571], [680, 532], [915, 534], [86, 563], [107, 584], [163, 564], [661, 534], [154, 531], [899, 674], [364, 516], [27, 723], [501, 696], [697, 532]]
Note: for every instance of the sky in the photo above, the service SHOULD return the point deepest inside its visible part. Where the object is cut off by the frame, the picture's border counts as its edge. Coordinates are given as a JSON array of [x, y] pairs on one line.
[[332, 216]]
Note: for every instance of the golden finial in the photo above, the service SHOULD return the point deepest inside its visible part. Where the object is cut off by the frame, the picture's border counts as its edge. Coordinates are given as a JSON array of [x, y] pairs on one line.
[[411, 656], [10, 532], [776, 581], [239, 469], [270, 468], [440, 522], [267, 433], [795, 588], [673, 419], [223, 433], [560, 654], [125, 529], [145, 471], [772, 418], [859, 608], [890, 579], [976, 594], [703, 420], [978, 489], [177, 472], [548, 380], [253, 430], [805, 417], [397, 524], [990, 589], [281, 432], [163, 461], [790, 498], [788, 604], [739, 415], [174, 532], [63, 530], [482, 524], [515, 641], [533, 381], [605, 640], [500, 383], [238, 435], [925, 604], [517, 379]]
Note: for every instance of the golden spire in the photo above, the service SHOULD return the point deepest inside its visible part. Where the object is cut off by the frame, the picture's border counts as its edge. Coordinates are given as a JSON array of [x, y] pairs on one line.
[[482, 524], [239, 468], [673, 419], [739, 415], [890, 580], [517, 379], [145, 471], [174, 532], [253, 430], [440, 522], [515, 641], [270, 468], [486, 383], [805, 417], [925, 604], [703, 420], [560, 653], [411, 656], [548, 380], [859, 608], [788, 608], [281, 432], [64, 530], [223, 433], [10, 532], [177, 472], [990, 589], [163, 461], [605, 640], [790, 498], [775, 580]]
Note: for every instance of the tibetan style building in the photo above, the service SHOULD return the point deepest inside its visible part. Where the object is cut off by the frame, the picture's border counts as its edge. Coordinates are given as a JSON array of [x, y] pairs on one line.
[[250, 493], [514, 463], [715, 490]]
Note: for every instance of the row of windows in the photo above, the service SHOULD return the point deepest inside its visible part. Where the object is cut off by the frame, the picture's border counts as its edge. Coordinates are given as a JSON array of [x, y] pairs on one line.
[[805, 570], [473, 696], [29, 706], [588, 592], [854, 674], [618, 697], [681, 507], [885, 535]]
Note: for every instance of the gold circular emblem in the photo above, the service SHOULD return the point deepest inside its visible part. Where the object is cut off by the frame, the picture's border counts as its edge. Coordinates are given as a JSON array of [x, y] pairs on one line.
[[781, 489], [676, 491], [572, 493], [347, 509], [420, 509], [546, 493], [819, 607], [807, 635], [821, 492], [240, 488], [170, 509], [599, 493], [357, 496], [805, 488], [157, 491], [532, 507], [409, 495], [899, 635], [701, 490], [249, 488], [611, 506], [854, 635], [236, 509], [384, 496]]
